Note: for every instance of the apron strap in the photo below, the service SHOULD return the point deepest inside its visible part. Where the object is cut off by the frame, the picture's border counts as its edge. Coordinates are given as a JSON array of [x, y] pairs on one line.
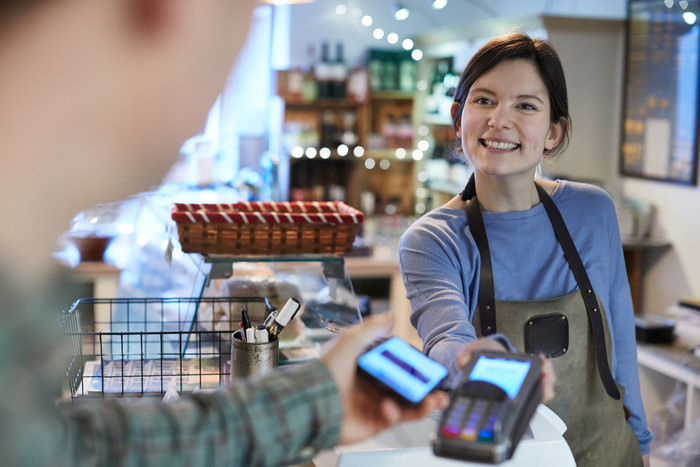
[[586, 289], [487, 306], [487, 294]]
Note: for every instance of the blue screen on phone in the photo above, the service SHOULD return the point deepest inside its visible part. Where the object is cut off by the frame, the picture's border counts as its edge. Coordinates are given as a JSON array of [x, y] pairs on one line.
[[403, 368], [505, 373]]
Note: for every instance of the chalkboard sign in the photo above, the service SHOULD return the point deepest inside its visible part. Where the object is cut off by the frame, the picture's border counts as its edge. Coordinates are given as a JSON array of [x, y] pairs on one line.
[[660, 120]]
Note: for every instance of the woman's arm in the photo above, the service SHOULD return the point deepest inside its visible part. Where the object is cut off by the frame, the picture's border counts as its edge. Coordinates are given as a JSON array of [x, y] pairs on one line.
[[439, 269]]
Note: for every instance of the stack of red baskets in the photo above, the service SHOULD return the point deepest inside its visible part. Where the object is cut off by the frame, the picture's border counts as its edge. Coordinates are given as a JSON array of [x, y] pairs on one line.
[[267, 228]]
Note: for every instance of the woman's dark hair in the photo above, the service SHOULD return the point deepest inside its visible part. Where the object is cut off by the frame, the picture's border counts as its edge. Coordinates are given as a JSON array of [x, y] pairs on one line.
[[10, 9], [542, 55]]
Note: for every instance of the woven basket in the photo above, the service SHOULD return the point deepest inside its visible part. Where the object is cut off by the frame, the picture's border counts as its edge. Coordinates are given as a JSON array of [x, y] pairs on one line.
[[265, 228]]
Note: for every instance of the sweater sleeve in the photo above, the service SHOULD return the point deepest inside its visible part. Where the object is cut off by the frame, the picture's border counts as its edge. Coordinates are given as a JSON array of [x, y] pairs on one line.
[[437, 267], [621, 315]]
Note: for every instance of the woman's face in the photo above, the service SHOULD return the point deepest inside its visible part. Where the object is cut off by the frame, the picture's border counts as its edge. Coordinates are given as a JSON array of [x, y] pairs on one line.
[[505, 124]]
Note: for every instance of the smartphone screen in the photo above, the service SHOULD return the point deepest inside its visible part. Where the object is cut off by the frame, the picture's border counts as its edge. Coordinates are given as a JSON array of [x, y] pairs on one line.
[[508, 374], [403, 369]]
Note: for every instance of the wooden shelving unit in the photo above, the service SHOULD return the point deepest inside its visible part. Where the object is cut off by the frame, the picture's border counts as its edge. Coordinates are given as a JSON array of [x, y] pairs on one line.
[[388, 177]]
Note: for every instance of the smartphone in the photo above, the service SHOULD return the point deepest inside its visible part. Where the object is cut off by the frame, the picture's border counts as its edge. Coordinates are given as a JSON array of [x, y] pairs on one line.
[[490, 408], [401, 369]]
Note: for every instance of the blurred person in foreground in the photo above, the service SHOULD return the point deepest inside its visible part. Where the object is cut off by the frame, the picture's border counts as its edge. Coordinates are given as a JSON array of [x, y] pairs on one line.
[[96, 98]]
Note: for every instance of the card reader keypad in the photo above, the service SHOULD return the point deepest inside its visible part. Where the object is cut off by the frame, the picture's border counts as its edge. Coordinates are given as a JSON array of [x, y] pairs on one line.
[[472, 419]]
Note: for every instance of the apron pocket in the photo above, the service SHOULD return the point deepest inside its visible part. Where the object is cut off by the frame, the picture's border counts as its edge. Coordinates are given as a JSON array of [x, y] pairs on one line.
[[548, 335]]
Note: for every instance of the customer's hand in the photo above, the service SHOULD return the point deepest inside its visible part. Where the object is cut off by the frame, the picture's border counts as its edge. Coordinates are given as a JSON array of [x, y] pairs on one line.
[[484, 344], [366, 409]]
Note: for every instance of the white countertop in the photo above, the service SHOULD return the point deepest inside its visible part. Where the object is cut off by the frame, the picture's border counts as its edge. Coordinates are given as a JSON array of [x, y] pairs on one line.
[[408, 444]]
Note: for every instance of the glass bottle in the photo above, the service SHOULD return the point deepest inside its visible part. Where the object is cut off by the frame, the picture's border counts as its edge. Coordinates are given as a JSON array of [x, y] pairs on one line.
[[323, 73], [309, 91], [339, 73]]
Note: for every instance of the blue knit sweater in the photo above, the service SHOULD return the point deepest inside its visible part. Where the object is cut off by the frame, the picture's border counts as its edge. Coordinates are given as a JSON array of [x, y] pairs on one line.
[[440, 265]]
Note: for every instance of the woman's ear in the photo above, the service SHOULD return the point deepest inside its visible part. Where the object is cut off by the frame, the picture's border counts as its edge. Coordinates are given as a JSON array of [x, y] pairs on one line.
[[456, 118], [555, 135]]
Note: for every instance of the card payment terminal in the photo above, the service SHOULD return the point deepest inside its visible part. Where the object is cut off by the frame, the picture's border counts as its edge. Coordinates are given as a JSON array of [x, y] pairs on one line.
[[490, 407]]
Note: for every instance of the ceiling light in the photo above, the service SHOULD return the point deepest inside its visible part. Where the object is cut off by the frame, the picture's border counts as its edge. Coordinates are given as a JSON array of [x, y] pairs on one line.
[[400, 12], [438, 4]]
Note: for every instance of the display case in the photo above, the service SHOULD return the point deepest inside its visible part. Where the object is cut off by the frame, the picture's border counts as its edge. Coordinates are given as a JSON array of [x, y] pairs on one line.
[[322, 282], [155, 346]]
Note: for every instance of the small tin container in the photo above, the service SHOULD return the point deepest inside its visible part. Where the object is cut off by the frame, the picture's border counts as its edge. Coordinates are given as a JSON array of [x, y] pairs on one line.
[[252, 359]]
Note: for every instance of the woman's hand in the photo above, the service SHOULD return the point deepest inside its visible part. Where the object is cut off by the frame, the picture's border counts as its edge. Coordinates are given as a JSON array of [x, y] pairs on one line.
[[485, 344]]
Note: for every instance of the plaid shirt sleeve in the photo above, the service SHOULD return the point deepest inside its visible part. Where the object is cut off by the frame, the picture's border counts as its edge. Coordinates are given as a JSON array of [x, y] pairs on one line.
[[280, 418]]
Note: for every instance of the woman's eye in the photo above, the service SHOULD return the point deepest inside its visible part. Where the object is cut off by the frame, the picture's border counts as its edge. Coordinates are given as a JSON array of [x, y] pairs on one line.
[[482, 100], [527, 106]]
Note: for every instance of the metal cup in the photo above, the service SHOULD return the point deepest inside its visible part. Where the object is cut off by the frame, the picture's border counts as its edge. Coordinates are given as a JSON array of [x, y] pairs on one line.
[[252, 359]]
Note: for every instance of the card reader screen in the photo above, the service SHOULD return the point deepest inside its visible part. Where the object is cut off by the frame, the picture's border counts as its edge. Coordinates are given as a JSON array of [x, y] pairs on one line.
[[503, 372], [403, 368]]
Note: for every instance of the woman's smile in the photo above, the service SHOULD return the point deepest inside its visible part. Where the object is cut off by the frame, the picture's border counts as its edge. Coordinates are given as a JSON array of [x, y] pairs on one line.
[[501, 145]]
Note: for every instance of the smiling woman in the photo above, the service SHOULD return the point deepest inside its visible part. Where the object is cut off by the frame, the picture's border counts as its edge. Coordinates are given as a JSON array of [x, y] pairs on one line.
[[503, 263]]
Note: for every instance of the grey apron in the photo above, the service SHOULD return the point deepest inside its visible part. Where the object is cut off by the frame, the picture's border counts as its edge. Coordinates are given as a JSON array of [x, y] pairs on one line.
[[572, 331]]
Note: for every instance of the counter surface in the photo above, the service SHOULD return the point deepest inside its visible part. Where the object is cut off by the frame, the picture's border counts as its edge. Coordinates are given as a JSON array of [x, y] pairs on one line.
[[408, 445]]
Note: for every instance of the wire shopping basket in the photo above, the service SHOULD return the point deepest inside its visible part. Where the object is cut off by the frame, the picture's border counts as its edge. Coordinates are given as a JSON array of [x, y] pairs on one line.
[[150, 346]]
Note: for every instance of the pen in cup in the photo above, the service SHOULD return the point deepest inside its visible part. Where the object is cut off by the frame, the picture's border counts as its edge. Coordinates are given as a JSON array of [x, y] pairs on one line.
[[261, 336], [250, 335], [270, 318], [283, 317], [245, 318]]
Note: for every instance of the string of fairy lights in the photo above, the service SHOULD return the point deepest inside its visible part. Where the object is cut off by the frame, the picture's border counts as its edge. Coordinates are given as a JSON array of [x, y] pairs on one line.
[[401, 13]]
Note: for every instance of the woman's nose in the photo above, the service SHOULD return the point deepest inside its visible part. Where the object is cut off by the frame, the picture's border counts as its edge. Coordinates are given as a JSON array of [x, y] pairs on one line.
[[499, 117]]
